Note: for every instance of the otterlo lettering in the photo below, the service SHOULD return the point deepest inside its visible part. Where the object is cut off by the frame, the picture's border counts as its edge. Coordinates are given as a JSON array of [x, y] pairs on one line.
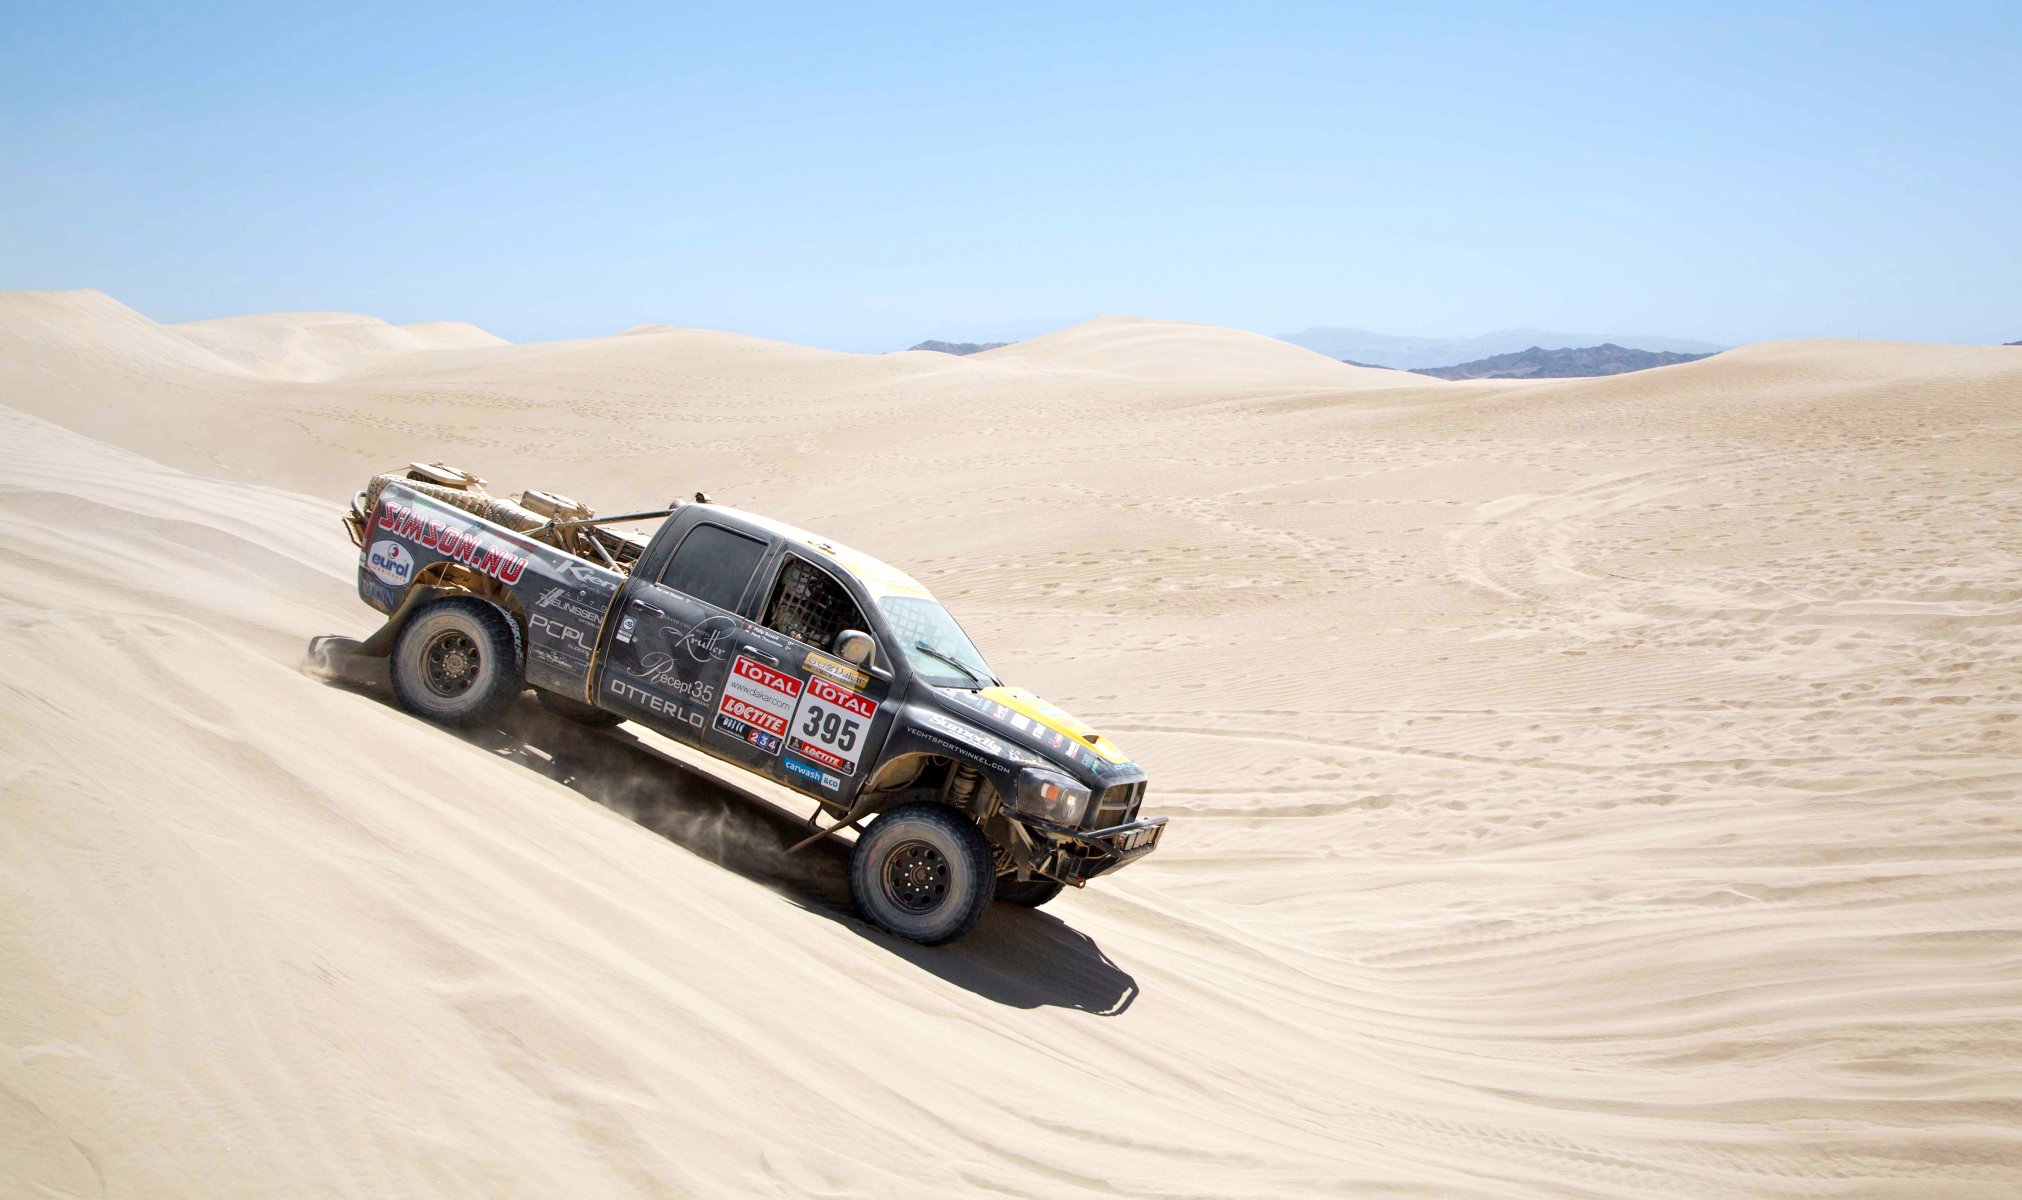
[[641, 698]]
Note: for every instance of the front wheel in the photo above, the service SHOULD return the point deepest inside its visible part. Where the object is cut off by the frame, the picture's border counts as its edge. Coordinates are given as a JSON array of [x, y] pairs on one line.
[[923, 872], [458, 661]]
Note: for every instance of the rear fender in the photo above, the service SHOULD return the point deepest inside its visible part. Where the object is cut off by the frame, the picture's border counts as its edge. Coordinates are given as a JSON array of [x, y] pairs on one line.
[[380, 644], [435, 582]]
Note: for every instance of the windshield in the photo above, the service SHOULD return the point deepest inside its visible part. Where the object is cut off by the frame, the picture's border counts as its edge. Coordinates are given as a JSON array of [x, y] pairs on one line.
[[933, 643]]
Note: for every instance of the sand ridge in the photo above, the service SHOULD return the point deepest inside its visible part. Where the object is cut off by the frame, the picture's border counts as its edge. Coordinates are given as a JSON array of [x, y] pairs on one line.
[[1582, 788], [308, 346]]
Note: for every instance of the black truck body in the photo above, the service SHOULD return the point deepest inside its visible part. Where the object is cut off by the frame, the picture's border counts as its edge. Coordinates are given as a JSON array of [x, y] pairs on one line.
[[727, 631]]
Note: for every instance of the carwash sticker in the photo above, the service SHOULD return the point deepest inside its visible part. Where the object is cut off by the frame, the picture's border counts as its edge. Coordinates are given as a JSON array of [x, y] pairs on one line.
[[759, 696], [812, 774], [830, 724]]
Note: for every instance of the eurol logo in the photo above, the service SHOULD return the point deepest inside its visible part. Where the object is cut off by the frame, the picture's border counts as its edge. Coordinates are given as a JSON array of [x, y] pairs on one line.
[[389, 564]]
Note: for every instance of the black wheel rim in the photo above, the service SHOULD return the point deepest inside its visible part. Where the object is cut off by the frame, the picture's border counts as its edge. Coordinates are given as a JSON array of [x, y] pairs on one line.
[[450, 663], [916, 877]]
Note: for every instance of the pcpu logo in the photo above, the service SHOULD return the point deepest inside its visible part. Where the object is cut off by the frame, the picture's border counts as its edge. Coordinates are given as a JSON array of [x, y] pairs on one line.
[[389, 564]]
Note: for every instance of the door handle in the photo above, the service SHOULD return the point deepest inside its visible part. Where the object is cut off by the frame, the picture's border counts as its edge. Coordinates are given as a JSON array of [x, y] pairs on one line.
[[754, 652], [655, 609]]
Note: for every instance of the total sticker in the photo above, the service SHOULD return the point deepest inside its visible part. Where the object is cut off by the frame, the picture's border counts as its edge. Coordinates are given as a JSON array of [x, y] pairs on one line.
[[759, 696], [830, 724]]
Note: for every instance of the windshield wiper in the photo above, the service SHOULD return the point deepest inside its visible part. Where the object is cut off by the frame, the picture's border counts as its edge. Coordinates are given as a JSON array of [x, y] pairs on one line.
[[952, 661]]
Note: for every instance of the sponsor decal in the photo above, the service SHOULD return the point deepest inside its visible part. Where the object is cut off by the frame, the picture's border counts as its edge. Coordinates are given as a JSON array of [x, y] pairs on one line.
[[377, 594], [835, 669], [984, 706], [641, 698], [559, 599], [759, 633], [484, 552], [389, 563], [811, 773], [759, 696], [830, 723], [555, 658], [963, 733], [708, 639], [553, 630], [1005, 718], [768, 742], [977, 757], [625, 628], [664, 670], [1063, 726]]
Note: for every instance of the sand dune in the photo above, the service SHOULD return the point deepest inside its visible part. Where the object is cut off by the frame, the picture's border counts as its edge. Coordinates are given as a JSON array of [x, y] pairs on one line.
[[319, 345], [1583, 788], [1180, 352]]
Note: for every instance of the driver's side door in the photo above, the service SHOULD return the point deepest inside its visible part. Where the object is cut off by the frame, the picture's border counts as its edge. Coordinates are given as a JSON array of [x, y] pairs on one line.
[[792, 707]]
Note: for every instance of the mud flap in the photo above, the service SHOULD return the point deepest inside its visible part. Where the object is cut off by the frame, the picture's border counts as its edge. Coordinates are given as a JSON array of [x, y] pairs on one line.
[[344, 659]]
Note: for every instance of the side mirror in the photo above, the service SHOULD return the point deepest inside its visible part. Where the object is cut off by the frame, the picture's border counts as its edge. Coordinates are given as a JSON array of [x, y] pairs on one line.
[[854, 646]]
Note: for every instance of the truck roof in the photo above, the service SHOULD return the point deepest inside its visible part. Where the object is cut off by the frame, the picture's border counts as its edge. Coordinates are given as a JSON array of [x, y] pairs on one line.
[[877, 575]]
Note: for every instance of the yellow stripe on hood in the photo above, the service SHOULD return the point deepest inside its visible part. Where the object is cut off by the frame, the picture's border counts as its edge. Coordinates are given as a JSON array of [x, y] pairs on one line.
[[1019, 700]]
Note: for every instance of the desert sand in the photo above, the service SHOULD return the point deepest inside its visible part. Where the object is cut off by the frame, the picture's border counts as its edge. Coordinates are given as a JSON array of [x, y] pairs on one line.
[[1600, 788]]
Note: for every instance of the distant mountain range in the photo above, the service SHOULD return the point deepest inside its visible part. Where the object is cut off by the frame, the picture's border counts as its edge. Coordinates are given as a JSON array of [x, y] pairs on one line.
[[1538, 363], [958, 347], [1367, 348]]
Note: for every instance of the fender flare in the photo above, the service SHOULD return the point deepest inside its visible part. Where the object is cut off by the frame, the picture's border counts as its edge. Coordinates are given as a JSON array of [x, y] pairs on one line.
[[420, 596]]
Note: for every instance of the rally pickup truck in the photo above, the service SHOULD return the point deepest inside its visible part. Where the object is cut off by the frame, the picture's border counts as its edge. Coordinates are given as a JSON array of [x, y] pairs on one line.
[[787, 654]]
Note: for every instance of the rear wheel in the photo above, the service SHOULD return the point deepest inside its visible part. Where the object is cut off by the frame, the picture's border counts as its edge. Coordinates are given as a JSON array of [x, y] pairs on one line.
[[923, 872], [576, 710], [1030, 894], [458, 661]]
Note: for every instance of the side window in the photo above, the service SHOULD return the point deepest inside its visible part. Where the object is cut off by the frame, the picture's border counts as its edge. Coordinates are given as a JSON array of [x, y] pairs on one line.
[[808, 606], [713, 564]]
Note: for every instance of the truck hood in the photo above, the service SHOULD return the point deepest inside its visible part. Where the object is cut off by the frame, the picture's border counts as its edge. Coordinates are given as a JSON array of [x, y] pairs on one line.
[[1023, 718]]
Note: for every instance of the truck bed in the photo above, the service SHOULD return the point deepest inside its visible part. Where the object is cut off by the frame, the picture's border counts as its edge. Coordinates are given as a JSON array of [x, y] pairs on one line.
[[417, 534]]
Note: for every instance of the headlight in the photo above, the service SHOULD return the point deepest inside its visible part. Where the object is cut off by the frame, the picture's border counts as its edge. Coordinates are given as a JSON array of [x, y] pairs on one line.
[[1054, 797]]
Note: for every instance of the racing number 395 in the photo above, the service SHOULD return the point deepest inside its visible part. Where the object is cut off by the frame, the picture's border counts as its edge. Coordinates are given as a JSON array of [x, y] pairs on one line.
[[830, 727]]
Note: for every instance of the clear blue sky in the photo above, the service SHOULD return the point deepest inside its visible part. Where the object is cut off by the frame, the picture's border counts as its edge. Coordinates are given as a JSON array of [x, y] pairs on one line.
[[865, 178]]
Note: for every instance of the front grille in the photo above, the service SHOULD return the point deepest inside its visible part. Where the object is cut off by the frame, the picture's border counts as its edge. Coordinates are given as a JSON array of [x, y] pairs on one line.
[[1118, 804]]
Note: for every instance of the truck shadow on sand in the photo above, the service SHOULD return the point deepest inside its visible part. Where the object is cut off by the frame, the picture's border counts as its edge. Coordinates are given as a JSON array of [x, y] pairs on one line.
[[1017, 957]]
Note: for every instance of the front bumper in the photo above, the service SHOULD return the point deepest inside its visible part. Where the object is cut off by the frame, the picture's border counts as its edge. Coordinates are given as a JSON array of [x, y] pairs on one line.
[[1084, 854]]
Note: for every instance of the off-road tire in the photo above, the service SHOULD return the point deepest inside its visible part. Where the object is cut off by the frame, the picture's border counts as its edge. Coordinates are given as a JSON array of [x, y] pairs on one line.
[[923, 872], [458, 661], [1030, 894], [576, 710]]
